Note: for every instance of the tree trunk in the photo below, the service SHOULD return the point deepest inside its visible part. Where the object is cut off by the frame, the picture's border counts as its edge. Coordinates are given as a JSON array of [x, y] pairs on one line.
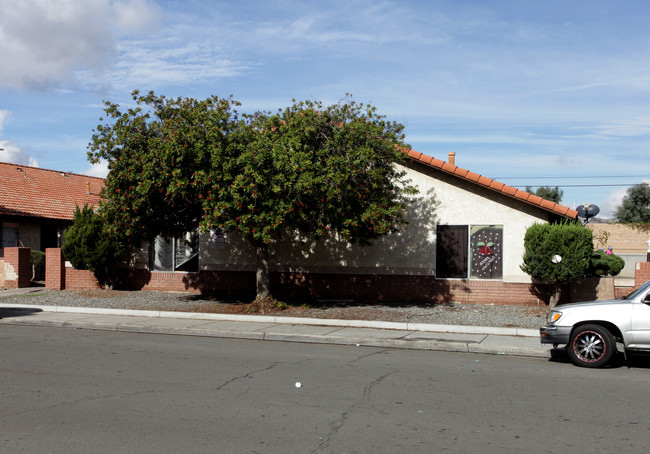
[[555, 296], [263, 277]]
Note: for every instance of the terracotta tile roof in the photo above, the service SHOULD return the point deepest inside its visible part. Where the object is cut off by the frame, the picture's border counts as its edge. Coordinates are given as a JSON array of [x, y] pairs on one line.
[[492, 184], [35, 192]]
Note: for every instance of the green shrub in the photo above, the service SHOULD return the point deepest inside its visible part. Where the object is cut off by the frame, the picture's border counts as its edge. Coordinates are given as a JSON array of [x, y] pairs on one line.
[[570, 241], [605, 265], [37, 260], [89, 245]]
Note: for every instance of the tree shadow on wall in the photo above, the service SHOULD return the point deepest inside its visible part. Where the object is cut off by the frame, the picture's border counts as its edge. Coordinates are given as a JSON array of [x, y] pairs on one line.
[[398, 268]]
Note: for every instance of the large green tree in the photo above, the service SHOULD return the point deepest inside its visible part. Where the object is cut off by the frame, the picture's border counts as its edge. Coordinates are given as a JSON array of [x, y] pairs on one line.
[[308, 170], [635, 207]]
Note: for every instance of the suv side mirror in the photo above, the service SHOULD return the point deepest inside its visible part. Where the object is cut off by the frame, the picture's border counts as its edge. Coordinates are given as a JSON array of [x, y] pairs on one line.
[[646, 299]]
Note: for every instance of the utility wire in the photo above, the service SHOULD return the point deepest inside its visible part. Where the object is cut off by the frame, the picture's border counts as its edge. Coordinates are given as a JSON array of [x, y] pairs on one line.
[[571, 185], [573, 177]]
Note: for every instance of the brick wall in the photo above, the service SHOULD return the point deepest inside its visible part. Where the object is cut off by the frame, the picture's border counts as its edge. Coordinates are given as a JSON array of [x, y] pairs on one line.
[[404, 288], [60, 277], [80, 279], [17, 267], [297, 286], [313, 286], [54, 269], [227, 284]]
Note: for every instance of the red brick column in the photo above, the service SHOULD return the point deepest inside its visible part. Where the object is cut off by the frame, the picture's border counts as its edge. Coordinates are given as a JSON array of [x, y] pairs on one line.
[[54, 269], [19, 271], [641, 273]]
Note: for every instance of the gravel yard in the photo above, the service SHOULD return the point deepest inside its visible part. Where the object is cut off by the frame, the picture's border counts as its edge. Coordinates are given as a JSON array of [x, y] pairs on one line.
[[452, 314]]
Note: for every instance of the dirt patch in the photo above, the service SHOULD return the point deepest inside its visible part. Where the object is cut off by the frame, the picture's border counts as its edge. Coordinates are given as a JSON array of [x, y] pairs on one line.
[[99, 293], [437, 313]]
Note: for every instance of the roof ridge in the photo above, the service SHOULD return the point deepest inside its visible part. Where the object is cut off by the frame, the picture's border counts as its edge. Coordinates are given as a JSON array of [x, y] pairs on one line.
[[50, 170], [491, 184]]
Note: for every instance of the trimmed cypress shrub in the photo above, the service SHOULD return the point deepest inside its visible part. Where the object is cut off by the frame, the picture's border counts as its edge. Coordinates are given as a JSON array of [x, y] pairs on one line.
[[89, 245], [557, 253]]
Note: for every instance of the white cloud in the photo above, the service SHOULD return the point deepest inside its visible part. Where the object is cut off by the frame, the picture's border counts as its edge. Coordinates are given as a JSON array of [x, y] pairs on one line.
[[43, 43], [97, 170], [136, 16], [4, 114], [479, 139], [12, 153], [146, 64], [631, 128]]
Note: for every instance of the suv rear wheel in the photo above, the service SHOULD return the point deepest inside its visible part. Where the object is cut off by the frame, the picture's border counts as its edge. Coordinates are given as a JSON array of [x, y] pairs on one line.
[[591, 346]]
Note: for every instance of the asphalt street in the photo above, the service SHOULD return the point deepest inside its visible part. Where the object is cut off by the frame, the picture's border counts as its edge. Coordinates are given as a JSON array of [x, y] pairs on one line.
[[71, 390]]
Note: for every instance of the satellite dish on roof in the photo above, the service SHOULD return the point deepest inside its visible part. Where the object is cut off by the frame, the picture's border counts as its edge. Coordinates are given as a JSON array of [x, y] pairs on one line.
[[587, 211]]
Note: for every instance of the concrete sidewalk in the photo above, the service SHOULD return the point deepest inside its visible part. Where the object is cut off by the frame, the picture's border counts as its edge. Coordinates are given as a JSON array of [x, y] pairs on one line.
[[473, 339]]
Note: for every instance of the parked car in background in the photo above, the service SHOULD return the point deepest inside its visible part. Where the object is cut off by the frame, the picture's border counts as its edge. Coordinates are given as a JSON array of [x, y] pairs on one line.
[[591, 330]]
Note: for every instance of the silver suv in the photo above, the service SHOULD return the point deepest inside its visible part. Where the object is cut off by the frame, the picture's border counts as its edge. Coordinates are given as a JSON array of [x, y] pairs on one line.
[[592, 330]]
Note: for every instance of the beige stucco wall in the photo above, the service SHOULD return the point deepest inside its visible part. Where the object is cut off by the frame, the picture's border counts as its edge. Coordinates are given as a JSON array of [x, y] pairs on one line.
[[624, 239], [443, 199]]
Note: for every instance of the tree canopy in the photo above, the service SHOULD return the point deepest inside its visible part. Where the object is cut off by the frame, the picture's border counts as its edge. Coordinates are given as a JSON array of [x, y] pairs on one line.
[[635, 207], [158, 157], [306, 170], [546, 192]]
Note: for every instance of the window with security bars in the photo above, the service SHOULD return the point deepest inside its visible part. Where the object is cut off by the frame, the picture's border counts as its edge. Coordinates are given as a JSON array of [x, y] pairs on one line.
[[469, 252], [175, 253]]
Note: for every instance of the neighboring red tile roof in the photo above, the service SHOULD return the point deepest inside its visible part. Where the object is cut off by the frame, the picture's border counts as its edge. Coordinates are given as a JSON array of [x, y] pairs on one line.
[[492, 184], [35, 192]]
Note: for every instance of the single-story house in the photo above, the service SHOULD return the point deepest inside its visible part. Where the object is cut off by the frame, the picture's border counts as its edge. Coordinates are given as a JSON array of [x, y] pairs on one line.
[[37, 205], [464, 243]]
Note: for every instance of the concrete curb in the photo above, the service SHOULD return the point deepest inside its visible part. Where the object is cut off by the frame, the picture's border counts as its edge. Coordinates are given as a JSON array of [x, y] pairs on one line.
[[416, 336], [359, 341]]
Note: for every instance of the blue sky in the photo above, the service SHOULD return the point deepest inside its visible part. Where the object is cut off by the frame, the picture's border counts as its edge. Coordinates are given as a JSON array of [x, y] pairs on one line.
[[526, 92]]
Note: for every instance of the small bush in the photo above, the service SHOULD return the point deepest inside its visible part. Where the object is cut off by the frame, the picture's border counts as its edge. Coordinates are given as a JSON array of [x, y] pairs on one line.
[[605, 265], [37, 260], [89, 245], [569, 240]]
